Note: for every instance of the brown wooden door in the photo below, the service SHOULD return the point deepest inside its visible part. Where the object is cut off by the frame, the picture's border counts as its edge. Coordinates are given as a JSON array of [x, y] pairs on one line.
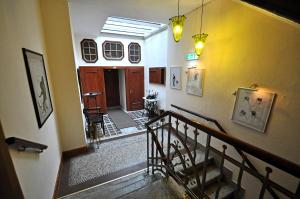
[[112, 87], [92, 81], [134, 88], [10, 186]]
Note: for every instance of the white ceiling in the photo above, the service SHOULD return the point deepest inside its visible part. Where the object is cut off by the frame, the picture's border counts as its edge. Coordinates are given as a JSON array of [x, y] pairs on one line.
[[89, 16]]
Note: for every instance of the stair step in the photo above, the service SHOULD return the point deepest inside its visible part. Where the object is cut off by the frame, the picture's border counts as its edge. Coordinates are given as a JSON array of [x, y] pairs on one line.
[[156, 190], [200, 157], [212, 175], [226, 191], [124, 187]]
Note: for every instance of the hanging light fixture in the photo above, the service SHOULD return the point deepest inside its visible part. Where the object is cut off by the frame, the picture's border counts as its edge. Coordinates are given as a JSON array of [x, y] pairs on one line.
[[199, 39], [177, 25]]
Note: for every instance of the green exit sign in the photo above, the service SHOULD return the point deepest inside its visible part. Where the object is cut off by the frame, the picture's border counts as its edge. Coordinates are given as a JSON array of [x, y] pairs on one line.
[[191, 56]]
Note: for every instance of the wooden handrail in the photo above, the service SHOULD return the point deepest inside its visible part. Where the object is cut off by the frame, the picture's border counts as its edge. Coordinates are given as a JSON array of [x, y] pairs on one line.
[[248, 162], [272, 159], [23, 145]]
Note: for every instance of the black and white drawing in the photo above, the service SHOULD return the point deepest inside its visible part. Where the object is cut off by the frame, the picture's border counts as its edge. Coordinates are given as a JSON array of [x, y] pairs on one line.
[[38, 83], [195, 80], [252, 108], [175, 77]]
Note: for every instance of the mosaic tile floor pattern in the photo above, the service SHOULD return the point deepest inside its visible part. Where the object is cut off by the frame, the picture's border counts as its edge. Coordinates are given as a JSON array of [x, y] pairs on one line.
[[111, 129]]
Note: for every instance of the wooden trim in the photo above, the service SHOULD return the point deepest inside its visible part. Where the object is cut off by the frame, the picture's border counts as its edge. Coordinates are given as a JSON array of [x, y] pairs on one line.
[[58, 178], [10, 186], [74, 152]]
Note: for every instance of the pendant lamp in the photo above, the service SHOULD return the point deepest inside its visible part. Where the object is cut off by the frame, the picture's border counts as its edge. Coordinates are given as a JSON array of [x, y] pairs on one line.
[[199, 39], [177, 25]]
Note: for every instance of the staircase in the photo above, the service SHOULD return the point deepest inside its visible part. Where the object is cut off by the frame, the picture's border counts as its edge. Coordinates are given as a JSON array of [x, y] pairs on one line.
[[183, 161], [193, 155]]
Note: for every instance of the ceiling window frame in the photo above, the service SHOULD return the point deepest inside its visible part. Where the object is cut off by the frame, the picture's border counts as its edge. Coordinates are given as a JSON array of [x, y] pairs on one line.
[[134, 55], [113, 50], [89, 45]]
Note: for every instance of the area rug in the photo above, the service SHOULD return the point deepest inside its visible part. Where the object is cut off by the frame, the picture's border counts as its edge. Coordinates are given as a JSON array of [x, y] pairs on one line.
[[108, 158], [121, 119]]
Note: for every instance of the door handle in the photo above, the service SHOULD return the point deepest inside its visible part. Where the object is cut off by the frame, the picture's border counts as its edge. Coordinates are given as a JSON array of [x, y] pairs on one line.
[[130, 91]]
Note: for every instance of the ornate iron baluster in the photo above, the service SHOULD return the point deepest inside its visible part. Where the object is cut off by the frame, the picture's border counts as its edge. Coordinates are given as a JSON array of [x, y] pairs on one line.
[[205, 165], [169, 140], [156, 150], [239, 180], [152, 152], [265, 183], [185, 132], [177, 124], [162, 138], [195, 142], [148, 151], [221, 171]]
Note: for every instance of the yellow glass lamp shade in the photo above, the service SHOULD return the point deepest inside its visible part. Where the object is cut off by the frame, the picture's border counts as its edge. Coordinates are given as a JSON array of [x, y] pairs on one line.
[[177, 26], [199, 40]]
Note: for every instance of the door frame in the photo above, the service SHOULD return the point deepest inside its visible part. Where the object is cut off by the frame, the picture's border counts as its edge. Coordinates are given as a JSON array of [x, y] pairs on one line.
[[126, 72]]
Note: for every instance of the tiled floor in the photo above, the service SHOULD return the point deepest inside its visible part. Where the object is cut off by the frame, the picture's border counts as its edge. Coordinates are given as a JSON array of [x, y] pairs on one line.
[[111, 129]]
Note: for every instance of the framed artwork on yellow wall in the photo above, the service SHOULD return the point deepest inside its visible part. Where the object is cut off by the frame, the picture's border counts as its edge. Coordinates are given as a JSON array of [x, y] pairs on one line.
[[195, 80], [252, 108], [38, 83]]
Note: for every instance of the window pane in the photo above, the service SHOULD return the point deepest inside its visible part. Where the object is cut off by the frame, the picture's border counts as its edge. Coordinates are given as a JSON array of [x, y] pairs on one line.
[[86, 50], [119, 46], [113, 54], [93, 51], [119, 54], [107, 46], [107, 53], [93, 57], [85, 44], [113, 46]]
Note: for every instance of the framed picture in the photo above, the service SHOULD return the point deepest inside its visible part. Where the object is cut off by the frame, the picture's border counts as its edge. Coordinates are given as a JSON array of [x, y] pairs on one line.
[[38, 83], [175, 77], [195, 82], [252, 108]]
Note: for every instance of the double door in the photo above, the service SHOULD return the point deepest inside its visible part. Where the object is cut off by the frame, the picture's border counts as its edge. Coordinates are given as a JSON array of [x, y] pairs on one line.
[[94, 80]]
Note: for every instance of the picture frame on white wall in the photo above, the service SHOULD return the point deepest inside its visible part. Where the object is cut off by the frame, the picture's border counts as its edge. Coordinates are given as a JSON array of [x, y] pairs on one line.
[[195, 81], [252, 108], [38, 83], [175, 78]]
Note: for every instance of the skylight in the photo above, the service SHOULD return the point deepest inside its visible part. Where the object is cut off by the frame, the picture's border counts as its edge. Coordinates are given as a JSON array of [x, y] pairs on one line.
[[132, 27]]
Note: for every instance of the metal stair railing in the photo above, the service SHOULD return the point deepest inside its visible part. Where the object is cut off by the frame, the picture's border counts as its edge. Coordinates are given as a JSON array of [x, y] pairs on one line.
[[162, 151]]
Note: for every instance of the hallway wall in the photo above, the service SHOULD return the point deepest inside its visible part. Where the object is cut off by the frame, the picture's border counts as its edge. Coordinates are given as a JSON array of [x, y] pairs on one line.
[[156, 56], [245, 45], [21, 26]]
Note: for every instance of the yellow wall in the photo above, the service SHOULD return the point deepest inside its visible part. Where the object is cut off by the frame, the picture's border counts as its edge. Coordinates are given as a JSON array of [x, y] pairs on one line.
[[245, 45], [56, 23], [21, 26]]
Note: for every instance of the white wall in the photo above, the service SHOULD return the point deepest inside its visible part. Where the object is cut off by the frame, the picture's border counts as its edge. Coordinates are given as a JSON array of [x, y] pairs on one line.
[[22, 27], [101, 60], [156, 56], [122, 88], [245, 45]]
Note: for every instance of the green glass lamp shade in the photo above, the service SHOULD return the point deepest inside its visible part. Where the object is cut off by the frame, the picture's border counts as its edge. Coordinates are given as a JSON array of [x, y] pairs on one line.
[[199, 40], [177, 26]]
